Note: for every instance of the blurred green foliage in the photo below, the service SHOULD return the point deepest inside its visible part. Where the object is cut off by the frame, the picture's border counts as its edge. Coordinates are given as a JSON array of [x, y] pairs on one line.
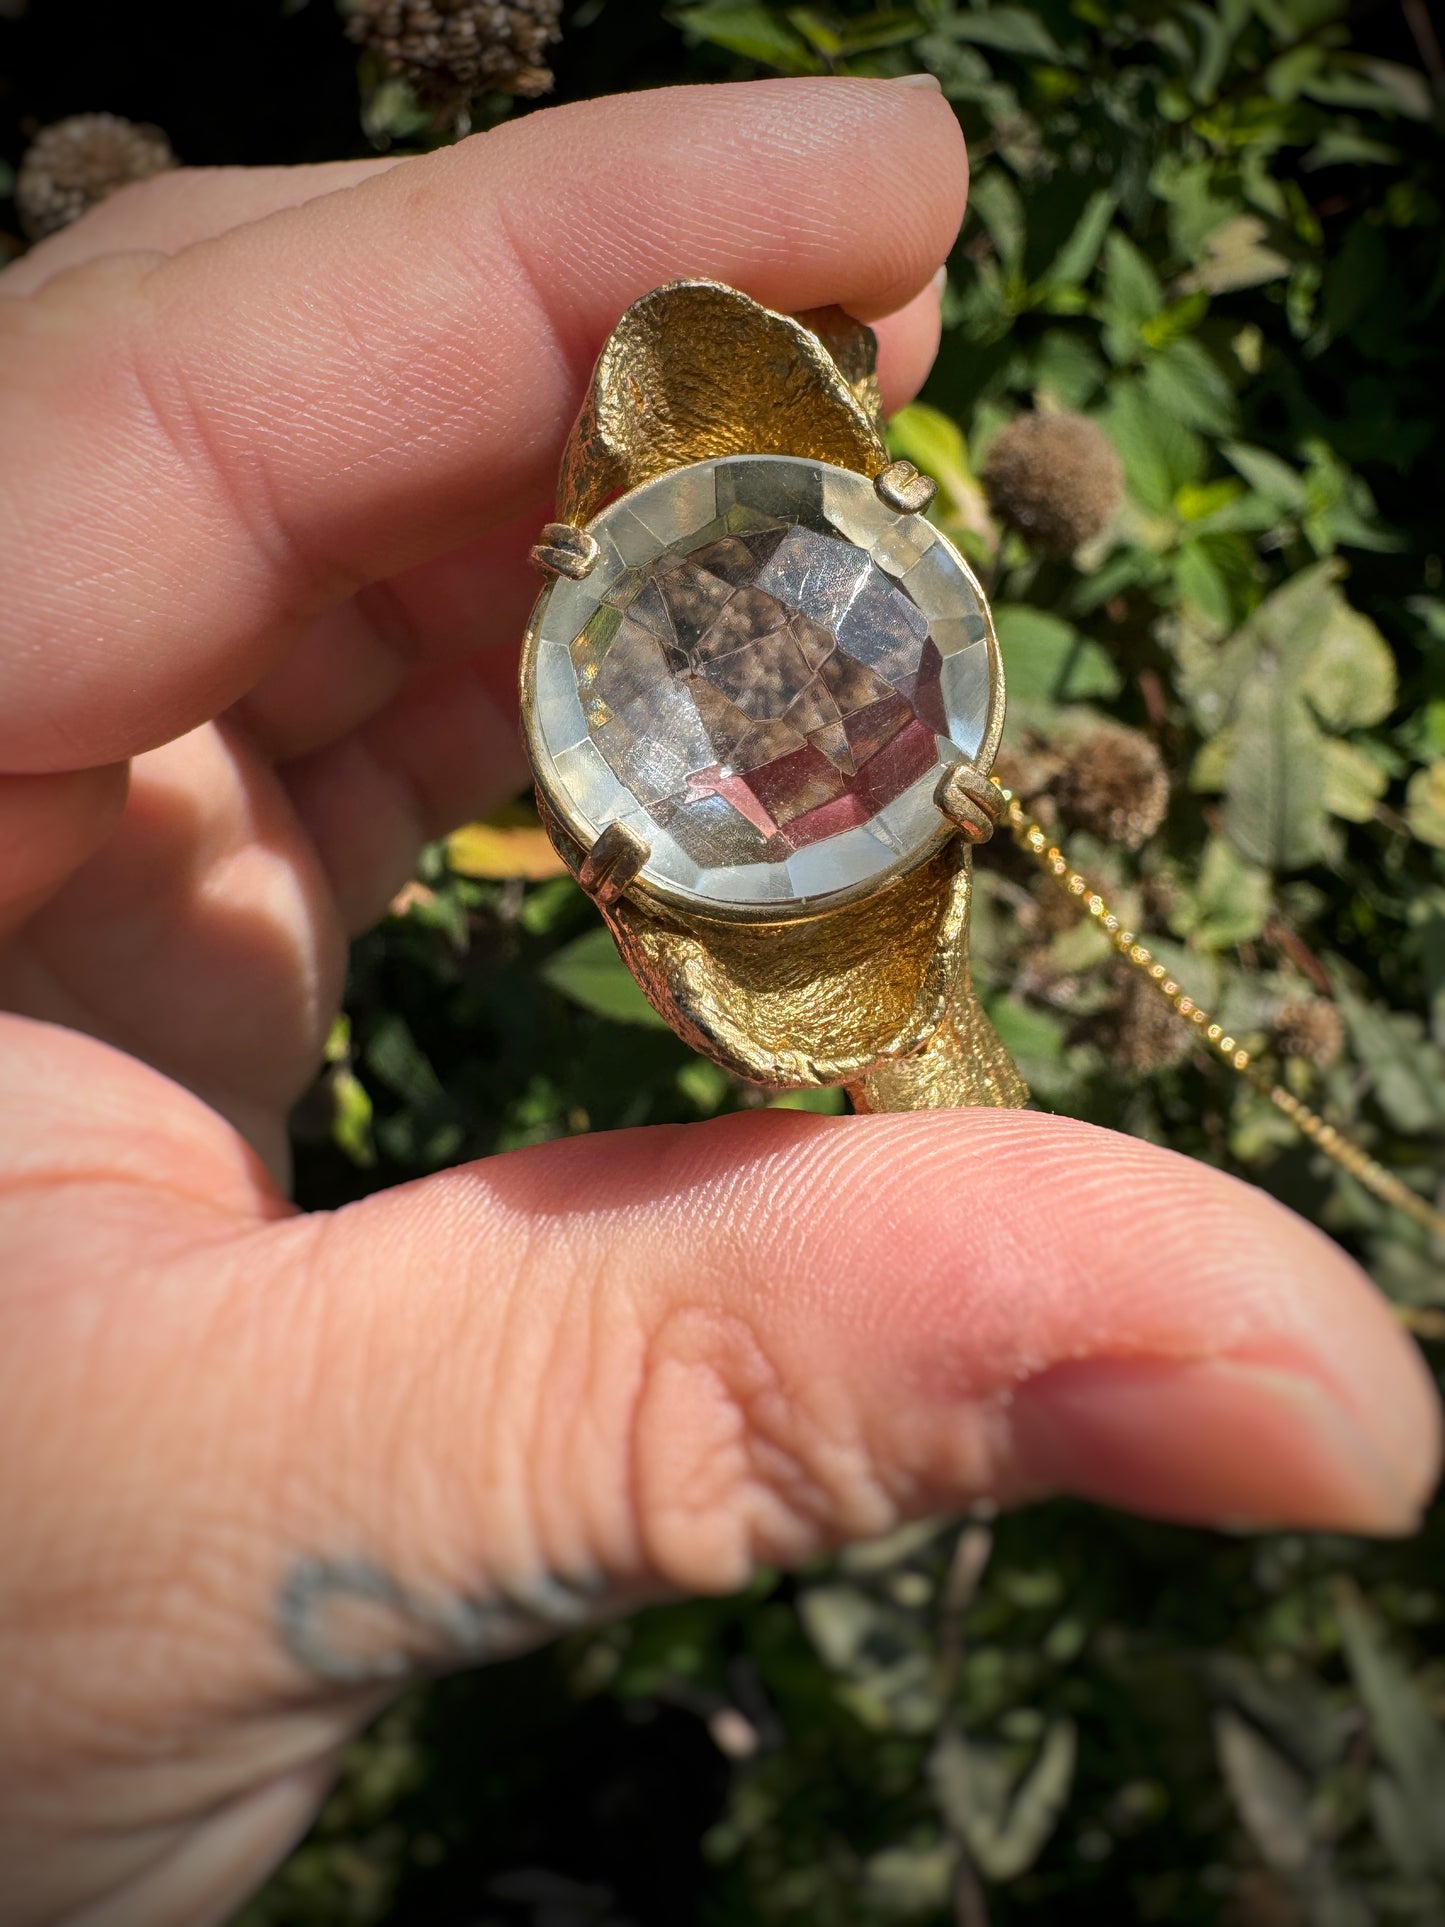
[[1216, 230]]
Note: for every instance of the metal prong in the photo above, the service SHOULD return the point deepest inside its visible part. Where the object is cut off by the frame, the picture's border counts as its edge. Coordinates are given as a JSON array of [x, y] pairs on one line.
[[565, 550], [969, 800], [612, 862], [901, 487]]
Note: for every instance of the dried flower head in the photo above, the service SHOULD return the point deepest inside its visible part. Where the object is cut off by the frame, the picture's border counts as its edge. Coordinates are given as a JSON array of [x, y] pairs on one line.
[[1114, 786], [450, 50], [1312, 1028], [1055, 478], [76, 162], [1048, 912], [1028, 766], [1140, 1029]]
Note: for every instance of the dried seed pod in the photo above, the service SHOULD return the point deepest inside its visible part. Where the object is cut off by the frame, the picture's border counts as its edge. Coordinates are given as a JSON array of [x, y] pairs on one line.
[[450, 50], [1139, 1029], [1114, 785], [76, 162], [1055, 478], [1028, 766], [1312, 1028], [1048, 912]]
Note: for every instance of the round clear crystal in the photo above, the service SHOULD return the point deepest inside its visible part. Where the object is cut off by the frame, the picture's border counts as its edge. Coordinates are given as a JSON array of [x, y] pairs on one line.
[[762, 674]]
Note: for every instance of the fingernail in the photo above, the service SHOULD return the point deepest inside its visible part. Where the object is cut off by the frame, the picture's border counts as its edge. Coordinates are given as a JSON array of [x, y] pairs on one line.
[[1218, 1442], [939, 281], [920, 80]]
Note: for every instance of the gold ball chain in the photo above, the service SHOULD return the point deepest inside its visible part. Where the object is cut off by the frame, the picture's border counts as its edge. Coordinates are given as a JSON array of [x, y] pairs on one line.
[[1034, 841]]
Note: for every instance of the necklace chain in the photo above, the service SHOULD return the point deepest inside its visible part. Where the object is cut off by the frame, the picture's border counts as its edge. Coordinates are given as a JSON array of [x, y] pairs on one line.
[[1034, 841]]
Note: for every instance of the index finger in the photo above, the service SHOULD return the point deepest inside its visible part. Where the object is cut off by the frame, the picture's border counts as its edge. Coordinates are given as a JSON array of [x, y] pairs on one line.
[[208, 449]]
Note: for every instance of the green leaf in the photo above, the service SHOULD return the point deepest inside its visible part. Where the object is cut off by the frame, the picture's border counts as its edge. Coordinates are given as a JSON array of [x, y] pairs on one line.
[[845, 40], [1159, 454], [1272, 1798], [1048, 662], [393, 1055], [1350, 682], [825, 1101], [1410, 1740], [1406, 88], [1406, 1068], [1237, 255], [1131, 297], [996, 201], [1345, 146], [1004, 1819], [1075, 260], [1291, 622], [905, 1882], [590, 973], [1174, 322], [1209, 771], [934, 442], [1131, 287], [1354, 782], [1216, 573], [1217, 34], [549, 905], [1425, 804], [1275, 786], [1186, 382], [1036, 1040], [882, 1652], [1195, 201], [391, 112], [704, 1084], [755, 32], [1276, 481], [1012, 30], [1229, 903], [352, 1117], [1064, 367]]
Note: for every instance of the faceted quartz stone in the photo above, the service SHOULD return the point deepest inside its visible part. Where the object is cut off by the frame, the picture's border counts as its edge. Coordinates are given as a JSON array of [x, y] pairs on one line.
[[762, 674]]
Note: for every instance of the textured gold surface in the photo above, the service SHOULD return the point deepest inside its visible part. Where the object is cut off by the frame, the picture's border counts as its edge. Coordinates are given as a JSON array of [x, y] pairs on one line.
[[816, 1002], [695, 370], [853, 350], [874, 995], [964, 1062], [1212, 1036]]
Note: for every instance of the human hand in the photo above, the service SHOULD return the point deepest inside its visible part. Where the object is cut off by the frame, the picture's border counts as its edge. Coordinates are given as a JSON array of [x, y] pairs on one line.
[[274, 448]]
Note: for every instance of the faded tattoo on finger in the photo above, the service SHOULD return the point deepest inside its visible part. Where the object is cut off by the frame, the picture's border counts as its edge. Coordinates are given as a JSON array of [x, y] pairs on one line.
[[353, 1622]]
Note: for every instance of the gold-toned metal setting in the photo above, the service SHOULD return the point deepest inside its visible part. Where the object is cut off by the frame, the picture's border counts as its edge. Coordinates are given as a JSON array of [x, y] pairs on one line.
[[565, 550], [611, 864], [901, 486], [696, 369], [872, 994], [970, 801]]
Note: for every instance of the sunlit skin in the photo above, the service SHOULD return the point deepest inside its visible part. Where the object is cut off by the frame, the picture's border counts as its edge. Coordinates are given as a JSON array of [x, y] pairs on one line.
[[273, 447]]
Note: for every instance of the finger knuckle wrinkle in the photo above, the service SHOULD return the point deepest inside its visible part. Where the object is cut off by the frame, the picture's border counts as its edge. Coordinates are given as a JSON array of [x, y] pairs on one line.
[[160, 396], [732, 1463]]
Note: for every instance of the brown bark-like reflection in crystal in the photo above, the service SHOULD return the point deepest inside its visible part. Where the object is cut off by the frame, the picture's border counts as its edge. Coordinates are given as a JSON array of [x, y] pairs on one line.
[[766, 690]]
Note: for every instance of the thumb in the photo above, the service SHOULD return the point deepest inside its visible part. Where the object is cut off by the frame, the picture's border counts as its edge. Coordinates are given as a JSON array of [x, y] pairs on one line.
[[657, 1359], [546, 1385], [256, 1466]]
